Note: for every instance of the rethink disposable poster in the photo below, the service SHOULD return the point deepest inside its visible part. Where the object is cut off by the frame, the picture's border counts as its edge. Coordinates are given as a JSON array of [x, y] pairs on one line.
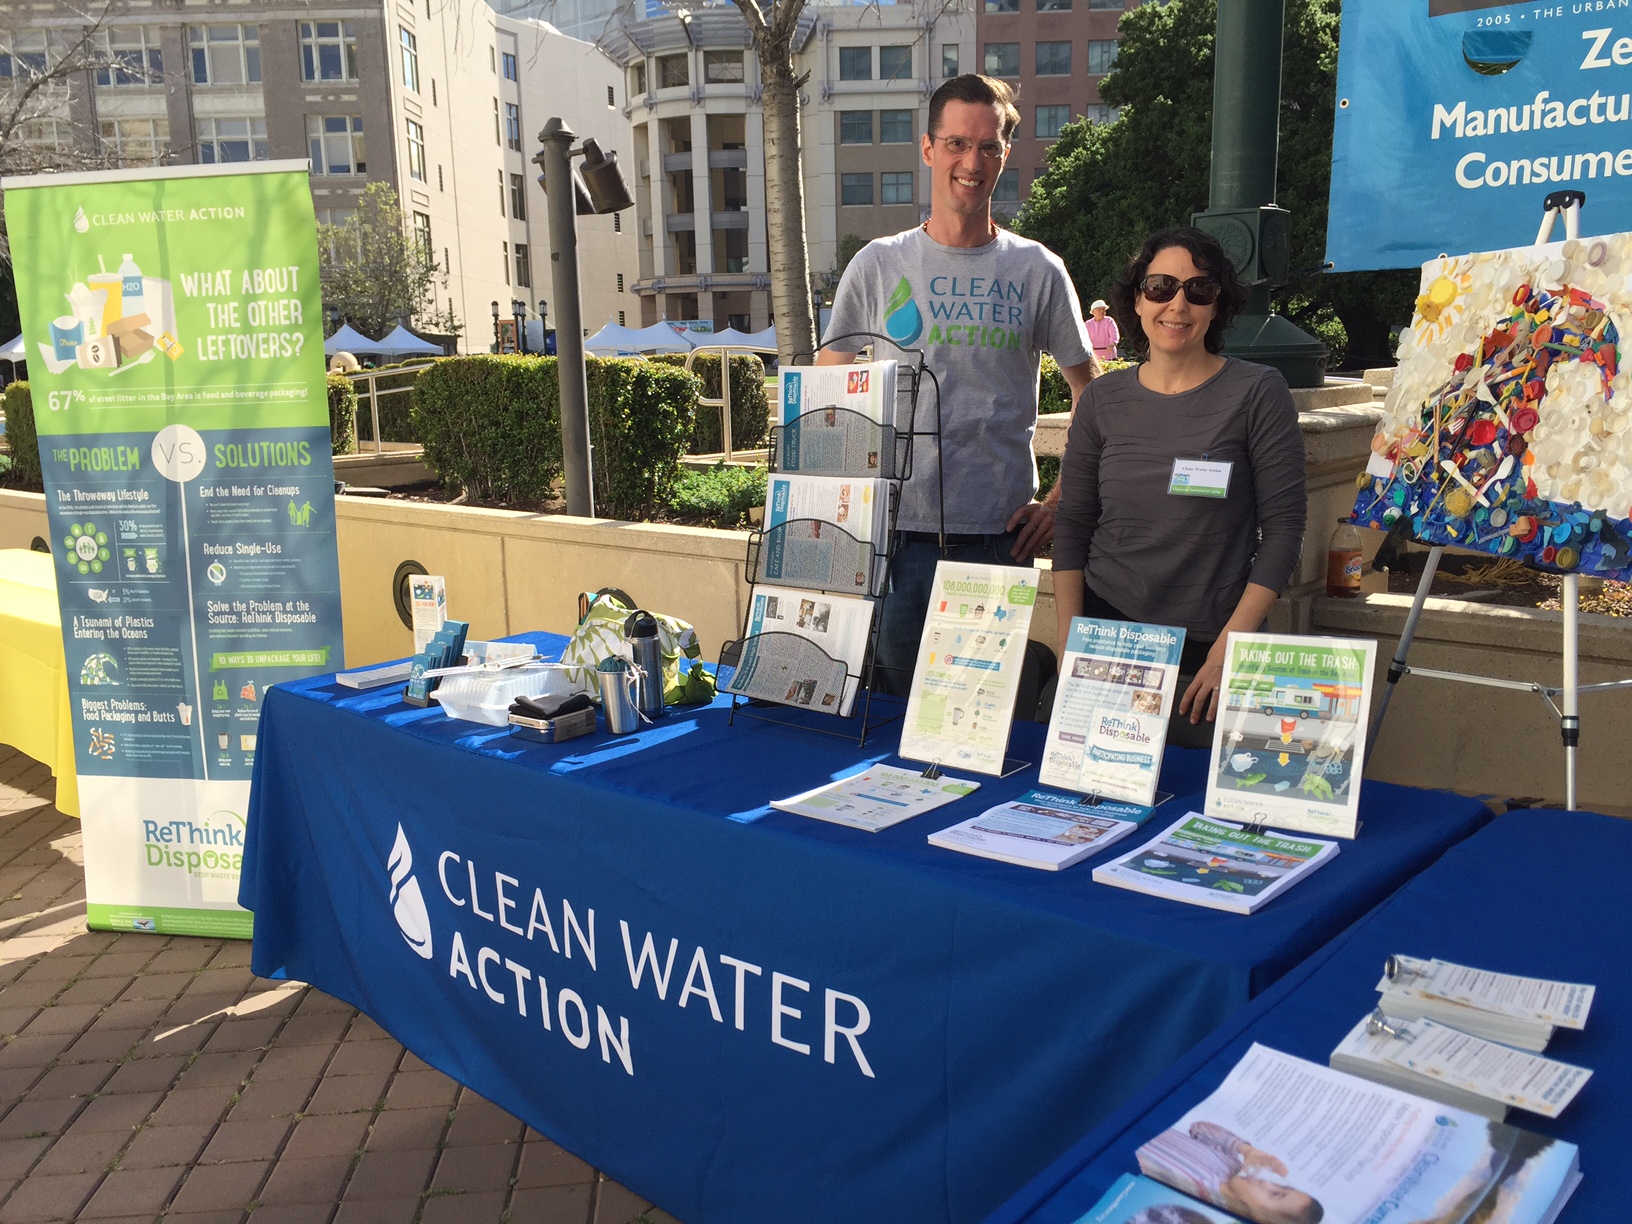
[[1455, 118], [1289, 743], [174, 340]]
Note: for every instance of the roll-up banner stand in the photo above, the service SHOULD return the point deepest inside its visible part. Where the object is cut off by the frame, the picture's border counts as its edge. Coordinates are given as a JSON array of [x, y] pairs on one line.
[[175, 352]]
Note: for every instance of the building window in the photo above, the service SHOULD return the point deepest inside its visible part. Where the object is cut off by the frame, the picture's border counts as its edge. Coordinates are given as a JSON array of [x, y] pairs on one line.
[[617, 223], [1003, 59], [1002, 6], [1050, 119], [440, 185], [524, 266], [25, 57], [410, 59], [225, 54], [336, 144], [512, 126], [722, 68], [518, 197], [620, 281], [855, 189], [611, 96], [133, 56], [949, 60], [895, 63], [1054, 59], [422, 235], [855, 63], [501, 193], [507, 62], [135, 142], [895, 187], [52, 137], [505, 251], [433, 91], [1098, 112], [416, 150], [1101, 55], [895, 127], [232, 140], [1061, 6], [1115, 5], [1008, 188], [328, 51], [498, 136], [855, 127], [673, 71], [637, 81]]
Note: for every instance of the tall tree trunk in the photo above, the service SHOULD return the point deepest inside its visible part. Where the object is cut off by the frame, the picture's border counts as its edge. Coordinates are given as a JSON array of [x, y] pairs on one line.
[[785, 197]]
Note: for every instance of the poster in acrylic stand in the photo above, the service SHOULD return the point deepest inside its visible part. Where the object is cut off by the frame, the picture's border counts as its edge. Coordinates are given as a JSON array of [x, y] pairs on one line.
[[1289, 742], [175, 352], [1109, 724], [967, 672], [1506, 429]]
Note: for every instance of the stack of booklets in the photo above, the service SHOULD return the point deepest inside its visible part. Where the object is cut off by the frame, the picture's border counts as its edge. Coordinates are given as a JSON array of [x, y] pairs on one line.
[[877, 798], [1043, 829], [804, 648], [1216, 863], [1287, 1140], [445, 648], [837, 420], [1516, 1011], [825, 531]]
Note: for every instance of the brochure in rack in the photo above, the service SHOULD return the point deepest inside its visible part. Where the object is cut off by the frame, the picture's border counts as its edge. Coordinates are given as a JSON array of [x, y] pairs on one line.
[[877, 798], [830, 417], [1109, 725], [1043, 829], [968, 667], [1202, 861], [1289, 743], [776, 669], [1283, 1139], [814, 554]]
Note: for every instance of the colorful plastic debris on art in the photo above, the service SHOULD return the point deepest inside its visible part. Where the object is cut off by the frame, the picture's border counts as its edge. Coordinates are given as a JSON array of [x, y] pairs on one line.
[[1508, 428]]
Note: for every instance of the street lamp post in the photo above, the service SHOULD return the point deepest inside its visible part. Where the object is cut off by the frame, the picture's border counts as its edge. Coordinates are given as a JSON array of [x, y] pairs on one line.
[[602, 190], [543, 326], [518, 309], [498, 347]]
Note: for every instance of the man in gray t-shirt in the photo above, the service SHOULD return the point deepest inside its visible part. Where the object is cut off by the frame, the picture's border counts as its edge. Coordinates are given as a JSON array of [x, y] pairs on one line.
[[983, 305]]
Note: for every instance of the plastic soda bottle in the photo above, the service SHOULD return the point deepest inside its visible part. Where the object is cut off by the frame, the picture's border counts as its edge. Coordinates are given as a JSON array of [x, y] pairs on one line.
[[131, 276], [1343, 561]]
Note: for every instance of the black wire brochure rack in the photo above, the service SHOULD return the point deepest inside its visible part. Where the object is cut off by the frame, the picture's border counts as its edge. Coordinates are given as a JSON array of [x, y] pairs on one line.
[[782, 676]]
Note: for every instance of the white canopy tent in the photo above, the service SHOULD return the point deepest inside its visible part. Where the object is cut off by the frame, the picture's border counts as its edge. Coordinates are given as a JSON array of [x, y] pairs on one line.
[[401, 343], [15, 351], [762, 342], [613, 340], [349, 340], [661, 338]]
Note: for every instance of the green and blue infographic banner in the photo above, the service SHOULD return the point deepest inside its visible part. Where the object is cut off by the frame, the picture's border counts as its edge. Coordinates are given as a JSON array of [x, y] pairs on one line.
[[1456, 118], [175, 352]]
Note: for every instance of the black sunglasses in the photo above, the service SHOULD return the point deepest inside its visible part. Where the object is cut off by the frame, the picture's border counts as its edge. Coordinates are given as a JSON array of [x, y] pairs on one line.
[[1198, 290]]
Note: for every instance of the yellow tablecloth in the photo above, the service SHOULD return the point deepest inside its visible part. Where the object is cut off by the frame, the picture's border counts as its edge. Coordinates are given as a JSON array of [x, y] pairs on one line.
[[34, 712]]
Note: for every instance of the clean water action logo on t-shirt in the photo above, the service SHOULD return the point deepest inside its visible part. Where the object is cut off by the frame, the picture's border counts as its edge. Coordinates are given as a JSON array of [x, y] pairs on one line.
[[903, 322], [407, 903]]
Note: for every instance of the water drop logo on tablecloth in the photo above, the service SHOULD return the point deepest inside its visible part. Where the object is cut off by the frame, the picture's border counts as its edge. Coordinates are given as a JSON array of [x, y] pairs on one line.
[[407, 903], [902, 321]]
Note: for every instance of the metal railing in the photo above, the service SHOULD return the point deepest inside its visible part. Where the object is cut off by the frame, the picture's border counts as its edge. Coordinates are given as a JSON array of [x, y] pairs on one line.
[[371, 377], [723, 403]]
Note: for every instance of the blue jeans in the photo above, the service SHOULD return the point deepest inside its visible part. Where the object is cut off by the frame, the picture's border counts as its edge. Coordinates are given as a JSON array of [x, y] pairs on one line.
[[912, 581]]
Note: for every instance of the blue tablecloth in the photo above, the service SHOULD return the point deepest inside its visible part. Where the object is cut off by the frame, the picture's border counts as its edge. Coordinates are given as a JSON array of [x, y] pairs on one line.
[[748, 1015], [1541, 893]]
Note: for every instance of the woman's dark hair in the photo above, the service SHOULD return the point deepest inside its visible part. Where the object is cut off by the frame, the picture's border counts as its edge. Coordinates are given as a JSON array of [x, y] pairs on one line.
[[1207, 255]]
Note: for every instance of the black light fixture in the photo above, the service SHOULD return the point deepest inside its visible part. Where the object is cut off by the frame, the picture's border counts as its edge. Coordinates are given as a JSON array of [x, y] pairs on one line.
[[608, 193], [496, 344], [518, 311]]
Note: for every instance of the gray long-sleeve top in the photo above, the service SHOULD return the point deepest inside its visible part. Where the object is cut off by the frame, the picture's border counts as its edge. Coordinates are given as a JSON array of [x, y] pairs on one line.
[[1178, 560]]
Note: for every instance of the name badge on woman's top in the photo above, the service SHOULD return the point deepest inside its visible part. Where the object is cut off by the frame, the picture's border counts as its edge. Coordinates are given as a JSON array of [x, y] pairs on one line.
[[1199, 478]]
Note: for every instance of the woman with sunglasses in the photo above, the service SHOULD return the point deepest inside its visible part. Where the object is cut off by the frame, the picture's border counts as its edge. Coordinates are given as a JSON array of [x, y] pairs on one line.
[[1182, 488]]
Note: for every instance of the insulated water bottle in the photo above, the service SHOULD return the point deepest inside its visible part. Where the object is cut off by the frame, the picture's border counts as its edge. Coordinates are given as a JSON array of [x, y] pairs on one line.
[[640, 631]]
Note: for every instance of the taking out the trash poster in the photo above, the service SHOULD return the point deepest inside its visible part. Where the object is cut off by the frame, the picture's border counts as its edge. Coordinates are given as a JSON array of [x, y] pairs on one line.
[[175, 354]]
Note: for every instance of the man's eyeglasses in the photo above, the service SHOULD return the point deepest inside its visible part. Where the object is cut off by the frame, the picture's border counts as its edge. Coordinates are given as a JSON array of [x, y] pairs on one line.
[[991, 150], [1198, 290]]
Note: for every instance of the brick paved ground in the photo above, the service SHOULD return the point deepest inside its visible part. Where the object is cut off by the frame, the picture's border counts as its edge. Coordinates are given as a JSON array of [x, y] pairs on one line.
[[146, 1078]]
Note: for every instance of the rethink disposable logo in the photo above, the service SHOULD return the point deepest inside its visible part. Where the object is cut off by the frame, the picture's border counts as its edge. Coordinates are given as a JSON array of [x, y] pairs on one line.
[[213, 848], [407, 902]]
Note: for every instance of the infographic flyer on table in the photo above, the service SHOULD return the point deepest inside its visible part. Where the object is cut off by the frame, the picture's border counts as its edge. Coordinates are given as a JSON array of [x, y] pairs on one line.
[[1290, 739], [174, 334]]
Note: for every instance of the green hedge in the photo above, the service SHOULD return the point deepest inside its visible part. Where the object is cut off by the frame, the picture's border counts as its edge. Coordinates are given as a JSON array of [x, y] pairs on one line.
[[396, 411], [1054, 393], [492, 425], [721, 496], [342, 414], [750, 408], [20, 438]]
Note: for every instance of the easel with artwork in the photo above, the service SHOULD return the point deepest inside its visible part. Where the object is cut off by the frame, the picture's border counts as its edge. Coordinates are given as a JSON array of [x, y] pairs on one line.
[[1508, 431]]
